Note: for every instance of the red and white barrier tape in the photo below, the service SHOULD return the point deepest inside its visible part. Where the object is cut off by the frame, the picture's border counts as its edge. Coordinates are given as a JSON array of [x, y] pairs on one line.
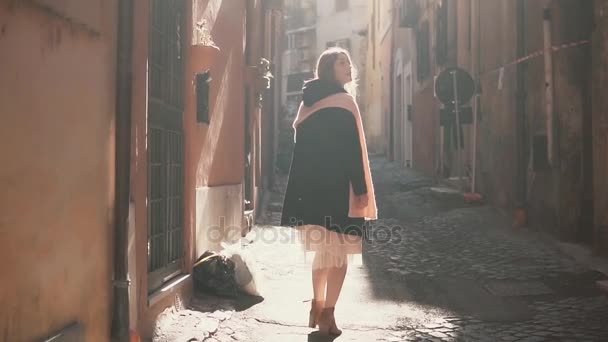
[[537, 54]]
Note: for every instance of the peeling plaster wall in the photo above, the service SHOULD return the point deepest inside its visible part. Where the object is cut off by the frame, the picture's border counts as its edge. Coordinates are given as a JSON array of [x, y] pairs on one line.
[[58, 111], [600, 127]]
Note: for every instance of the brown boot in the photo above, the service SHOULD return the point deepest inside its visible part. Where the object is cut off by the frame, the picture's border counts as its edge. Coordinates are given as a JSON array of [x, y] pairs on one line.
[[327, 323]]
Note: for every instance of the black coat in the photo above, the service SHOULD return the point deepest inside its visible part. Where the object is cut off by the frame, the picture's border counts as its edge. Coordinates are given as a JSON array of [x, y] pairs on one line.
[[326, 160]]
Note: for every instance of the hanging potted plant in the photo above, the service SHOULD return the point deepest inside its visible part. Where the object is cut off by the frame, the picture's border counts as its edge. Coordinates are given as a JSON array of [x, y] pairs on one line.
[[204, 50]]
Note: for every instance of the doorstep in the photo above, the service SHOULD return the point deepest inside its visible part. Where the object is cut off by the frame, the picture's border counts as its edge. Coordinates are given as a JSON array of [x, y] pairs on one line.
[[169, 289]]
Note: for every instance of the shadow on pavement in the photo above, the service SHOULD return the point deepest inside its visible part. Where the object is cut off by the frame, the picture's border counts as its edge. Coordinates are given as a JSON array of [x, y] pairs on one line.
[[204, 302], [315, 336]]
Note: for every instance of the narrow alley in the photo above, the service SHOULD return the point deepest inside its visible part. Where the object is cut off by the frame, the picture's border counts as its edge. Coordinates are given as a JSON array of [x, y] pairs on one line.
[[146, 146], [434, 269]]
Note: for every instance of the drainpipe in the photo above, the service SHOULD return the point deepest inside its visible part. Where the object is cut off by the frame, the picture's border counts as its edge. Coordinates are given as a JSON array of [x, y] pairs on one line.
[[549, 99], [120, 313], [522, 160], [475, 37]]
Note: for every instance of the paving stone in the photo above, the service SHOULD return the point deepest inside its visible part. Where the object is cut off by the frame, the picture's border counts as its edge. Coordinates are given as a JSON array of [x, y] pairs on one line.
[[447, 240], [238, 337], [438, 334], [557, 329], [508, 338], [433, 326], [533, 339]]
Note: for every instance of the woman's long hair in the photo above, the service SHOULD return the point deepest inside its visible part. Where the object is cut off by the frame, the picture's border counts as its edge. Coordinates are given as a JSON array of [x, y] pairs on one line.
[[325, 68]]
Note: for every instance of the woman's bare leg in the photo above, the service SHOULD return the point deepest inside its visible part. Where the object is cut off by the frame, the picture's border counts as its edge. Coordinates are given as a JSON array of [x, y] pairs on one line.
[[319, 283], [335, 280], [319, 278]]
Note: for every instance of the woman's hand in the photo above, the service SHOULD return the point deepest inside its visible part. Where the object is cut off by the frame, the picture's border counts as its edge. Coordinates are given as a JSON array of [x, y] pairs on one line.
[[361, 200]]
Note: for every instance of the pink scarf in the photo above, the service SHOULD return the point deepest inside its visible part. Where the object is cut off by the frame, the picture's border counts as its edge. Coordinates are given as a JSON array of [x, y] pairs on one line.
[[346, 101]]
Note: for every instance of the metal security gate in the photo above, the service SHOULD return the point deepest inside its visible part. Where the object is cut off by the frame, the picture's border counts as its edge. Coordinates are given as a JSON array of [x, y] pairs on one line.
[[165, 143]]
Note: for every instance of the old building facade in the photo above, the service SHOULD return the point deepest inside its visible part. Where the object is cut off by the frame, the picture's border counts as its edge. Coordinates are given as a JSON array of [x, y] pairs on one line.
[[401, 143], [344, 23], [599, 122], [300, 53], [377, 93], [536, 147], [139, 132], [58, 96]]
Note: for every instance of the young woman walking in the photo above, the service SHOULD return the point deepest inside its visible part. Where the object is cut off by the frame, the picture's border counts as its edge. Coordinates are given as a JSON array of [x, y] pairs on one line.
[[330, 192]]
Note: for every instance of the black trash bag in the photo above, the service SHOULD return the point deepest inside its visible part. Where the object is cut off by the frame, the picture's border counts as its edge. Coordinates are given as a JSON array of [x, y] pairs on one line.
[[214, 274]]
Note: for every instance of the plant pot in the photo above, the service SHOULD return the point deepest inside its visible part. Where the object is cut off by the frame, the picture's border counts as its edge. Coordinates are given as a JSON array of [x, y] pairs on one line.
[[203, 56]]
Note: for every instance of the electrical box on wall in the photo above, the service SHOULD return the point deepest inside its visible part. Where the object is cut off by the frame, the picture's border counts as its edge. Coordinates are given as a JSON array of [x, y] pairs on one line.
[[202, 96]]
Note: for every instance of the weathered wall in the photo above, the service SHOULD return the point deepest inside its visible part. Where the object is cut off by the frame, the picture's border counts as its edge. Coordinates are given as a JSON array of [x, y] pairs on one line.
[[425, 114], [219, 145], [497, 138], [542, 196], [138, 264], [402, 66], [385, 66], [600, 126], [373, 116], [57, 151], [271, 113], [332, 25], [218, 148], [463, 28], [559, 196], [214, 151], [218, 217], [425, 123], [214, 160], [572, 88]]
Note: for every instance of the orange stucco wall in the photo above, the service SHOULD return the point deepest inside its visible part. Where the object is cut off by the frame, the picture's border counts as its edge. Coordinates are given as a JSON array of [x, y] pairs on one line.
[[218, 147], [214, 152], [57, 154]]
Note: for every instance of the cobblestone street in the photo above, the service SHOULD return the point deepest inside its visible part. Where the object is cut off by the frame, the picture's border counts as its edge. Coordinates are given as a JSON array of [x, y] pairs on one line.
[[433, 269]]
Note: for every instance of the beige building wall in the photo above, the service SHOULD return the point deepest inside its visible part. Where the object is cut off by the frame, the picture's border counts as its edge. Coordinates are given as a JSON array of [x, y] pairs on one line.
[[333, 25], [57, 152], [376, 116]]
